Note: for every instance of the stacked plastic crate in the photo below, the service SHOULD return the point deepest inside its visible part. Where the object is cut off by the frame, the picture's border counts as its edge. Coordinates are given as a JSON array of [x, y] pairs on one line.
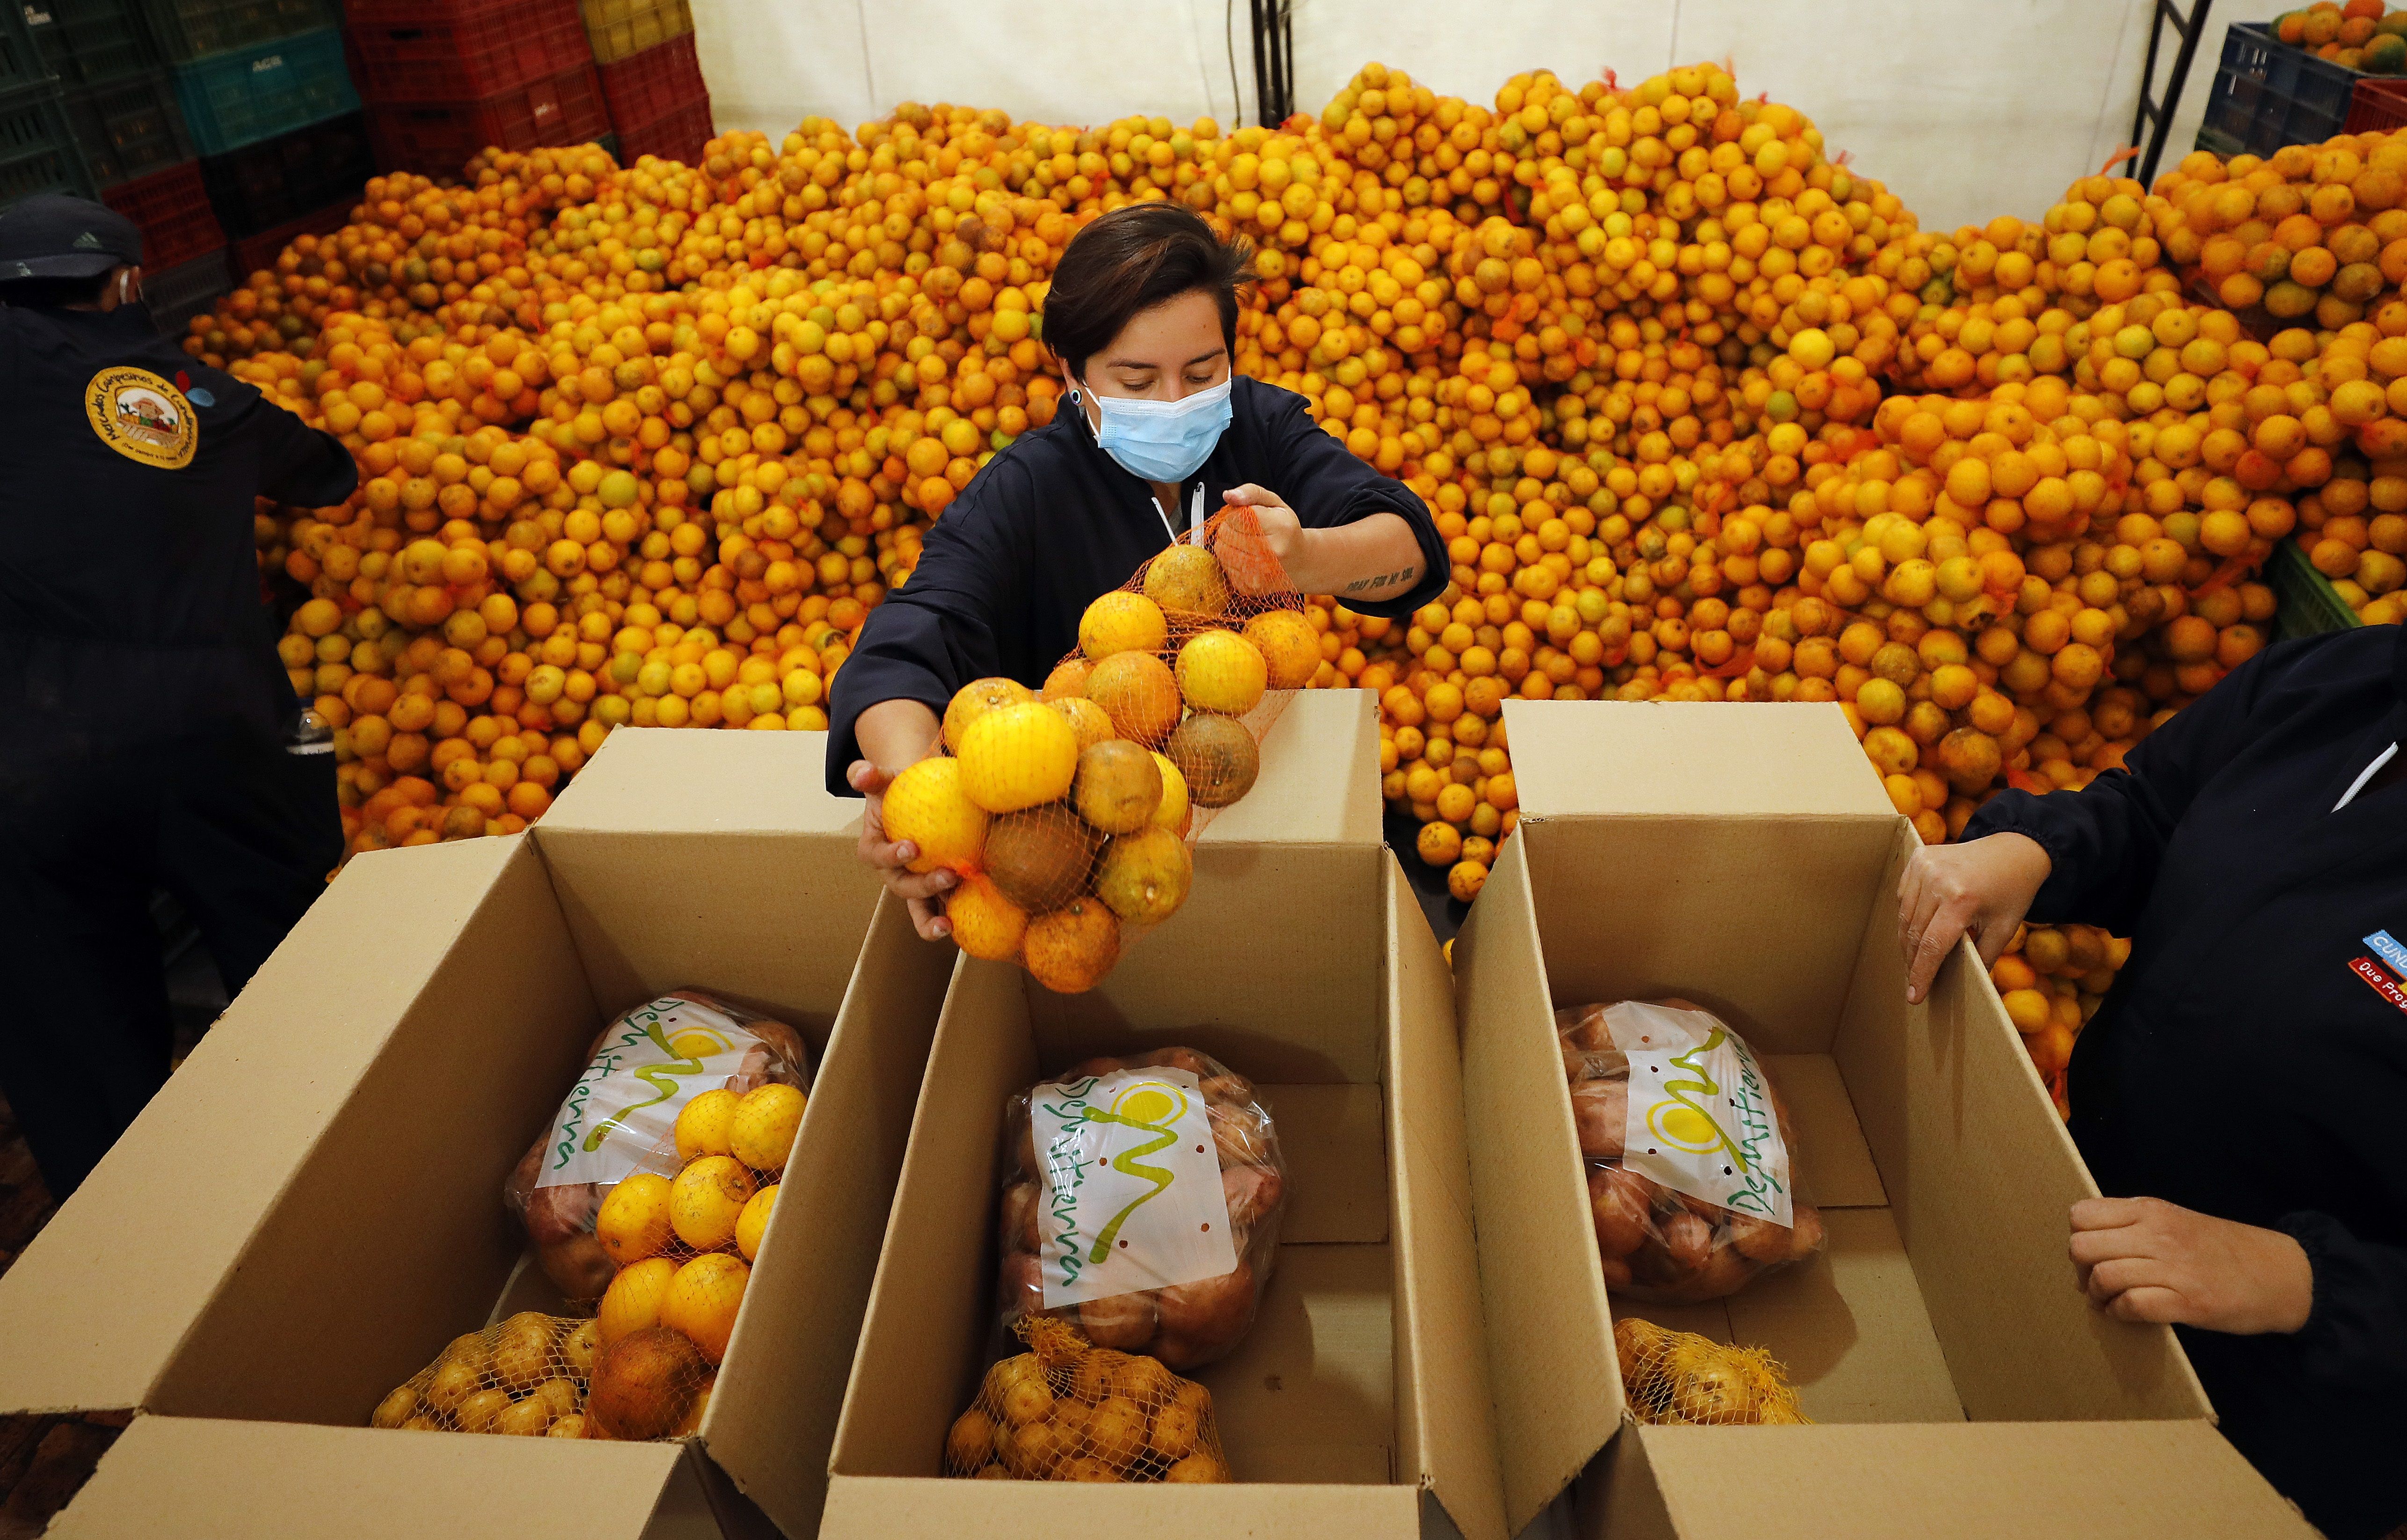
[[650, 76], [118, 104], [262, 83], [445, 78]]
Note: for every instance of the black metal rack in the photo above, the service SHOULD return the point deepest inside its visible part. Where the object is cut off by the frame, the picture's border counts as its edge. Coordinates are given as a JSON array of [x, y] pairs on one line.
[[2154, 119], [1273, 38]]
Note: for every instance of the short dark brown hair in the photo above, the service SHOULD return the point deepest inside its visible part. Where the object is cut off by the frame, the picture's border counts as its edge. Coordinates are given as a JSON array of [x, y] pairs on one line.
[[1130, 260]]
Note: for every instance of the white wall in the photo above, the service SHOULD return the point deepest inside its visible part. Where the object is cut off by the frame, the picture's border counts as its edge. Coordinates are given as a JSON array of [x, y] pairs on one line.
[[1966, 108]]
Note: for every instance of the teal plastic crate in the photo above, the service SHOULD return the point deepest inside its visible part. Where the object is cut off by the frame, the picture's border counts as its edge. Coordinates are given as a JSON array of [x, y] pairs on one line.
[[244, 96], [190, 29], [2306, 603], [37, 147]]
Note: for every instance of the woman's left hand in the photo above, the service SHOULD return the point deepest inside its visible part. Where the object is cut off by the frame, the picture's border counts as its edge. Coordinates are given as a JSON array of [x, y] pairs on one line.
[[2145, 1259], [1282, 541]]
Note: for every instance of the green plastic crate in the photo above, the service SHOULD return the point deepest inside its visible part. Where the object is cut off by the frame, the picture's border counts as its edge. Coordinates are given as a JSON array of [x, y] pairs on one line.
[[2305, 602], [187, 30], [129, 129], [37, 148], [244, 96], [21, 61], [2220, 145]]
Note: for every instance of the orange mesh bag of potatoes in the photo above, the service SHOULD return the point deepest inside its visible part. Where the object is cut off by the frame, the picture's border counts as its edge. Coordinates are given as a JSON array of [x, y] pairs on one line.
[[676, 1080], [1069, 1411], [1679, 1378], [528, 1376], [1070, 811], [1689, 1150], [1142, 1199]]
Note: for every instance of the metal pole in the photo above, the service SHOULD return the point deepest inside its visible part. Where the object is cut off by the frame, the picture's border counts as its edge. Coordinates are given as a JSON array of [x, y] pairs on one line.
[[2190, 35]]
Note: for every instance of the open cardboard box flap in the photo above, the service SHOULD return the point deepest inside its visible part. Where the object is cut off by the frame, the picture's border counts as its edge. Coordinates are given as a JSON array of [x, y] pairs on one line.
[[1991, 1481], [1748, 858], [98, 1303], [1672, 757], [200, 1478], [338, 1142], [1358, 1405]]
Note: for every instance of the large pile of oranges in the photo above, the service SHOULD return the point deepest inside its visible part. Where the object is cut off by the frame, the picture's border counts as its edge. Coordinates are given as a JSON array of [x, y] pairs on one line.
[[1702, 412]]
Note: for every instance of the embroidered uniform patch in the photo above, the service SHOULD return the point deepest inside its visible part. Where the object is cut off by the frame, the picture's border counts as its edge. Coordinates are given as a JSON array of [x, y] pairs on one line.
[[142, 418]]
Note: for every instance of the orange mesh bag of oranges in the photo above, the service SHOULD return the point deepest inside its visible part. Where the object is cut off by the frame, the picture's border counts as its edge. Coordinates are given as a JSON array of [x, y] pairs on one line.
[[1141, 1199], [530, 1375], [1681, 1379], [1688, 1151], [681, 1080], [1069, 1411], [1070, 811]]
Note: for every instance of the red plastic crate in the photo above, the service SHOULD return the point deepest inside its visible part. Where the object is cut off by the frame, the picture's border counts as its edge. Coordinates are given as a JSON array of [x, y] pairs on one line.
[[441, 136], [645, 88], [261, 250], [461, 50], [172, 207], [679, 136], [2377, 107]]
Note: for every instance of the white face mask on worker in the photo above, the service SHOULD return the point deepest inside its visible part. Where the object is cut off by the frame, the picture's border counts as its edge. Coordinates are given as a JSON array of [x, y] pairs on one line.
[[1162, 440]]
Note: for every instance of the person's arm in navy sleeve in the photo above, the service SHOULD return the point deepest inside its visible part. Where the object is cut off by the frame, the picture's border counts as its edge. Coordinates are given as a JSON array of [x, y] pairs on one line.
[[1372, 567], [2105, 841], [297, 463], [936, 631], [2354, 1341], [2089, 856]]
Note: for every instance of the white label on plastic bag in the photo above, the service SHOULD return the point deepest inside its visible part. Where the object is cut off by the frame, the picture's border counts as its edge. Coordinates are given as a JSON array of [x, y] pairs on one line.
[[1700, 1117], [621, 1117], [1132, 1197]]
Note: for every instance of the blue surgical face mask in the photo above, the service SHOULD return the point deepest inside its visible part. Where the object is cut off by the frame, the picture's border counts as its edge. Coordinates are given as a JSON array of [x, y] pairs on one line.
[[1162, 440]]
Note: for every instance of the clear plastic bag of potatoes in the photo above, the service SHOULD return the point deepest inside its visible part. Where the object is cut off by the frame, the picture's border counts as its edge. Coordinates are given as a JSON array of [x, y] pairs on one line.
[[527, 1375], [1069, 1411], [1141, 1199], [1688, 1151], [647, 1069]]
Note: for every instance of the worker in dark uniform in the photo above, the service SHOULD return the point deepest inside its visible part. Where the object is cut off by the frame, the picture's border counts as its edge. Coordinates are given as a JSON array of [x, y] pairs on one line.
[[2238, 1095], [149, 734], [1157, 434]]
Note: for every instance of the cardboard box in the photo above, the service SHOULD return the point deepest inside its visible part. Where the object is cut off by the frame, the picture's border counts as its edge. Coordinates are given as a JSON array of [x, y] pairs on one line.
[[1745, 857], [312, 1207], [1358, 1403]]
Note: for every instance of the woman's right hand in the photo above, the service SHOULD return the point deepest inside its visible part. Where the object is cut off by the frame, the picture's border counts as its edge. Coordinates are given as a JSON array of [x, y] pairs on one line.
[[922, 891], [1981, 888]]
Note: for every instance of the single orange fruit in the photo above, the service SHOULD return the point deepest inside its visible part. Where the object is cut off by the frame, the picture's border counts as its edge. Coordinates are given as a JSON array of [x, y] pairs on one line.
[[985, 923], [632, 1301], [976, 698], [927, 805], [703, 1299], [633, 1222], [1122, 621], [1019, 756], [1070, 950], [1139, 692], [707, 1199], [1289, 646]]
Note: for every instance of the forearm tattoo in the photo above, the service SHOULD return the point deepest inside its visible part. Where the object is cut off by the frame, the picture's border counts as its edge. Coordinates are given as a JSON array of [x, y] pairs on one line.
[[1384, 579]]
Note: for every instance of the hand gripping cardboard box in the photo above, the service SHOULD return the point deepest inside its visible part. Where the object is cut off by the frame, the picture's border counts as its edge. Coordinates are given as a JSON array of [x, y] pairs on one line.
[[312, 1208], [1358, 1404], [1745, 857]]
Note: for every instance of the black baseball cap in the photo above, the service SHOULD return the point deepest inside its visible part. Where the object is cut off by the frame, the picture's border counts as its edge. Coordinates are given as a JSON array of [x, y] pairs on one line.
[[52, 236]]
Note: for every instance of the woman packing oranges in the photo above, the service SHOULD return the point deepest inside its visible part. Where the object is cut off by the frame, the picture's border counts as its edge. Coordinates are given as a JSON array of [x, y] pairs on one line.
[[1142, 319], [2238, 1093]]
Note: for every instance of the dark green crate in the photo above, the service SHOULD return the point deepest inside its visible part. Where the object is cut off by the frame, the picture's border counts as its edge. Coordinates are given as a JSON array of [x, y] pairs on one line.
[[2305, 602], [187, 30], [37, 148], [129, 129], [90, 42], [2221, 145], [20, 59]]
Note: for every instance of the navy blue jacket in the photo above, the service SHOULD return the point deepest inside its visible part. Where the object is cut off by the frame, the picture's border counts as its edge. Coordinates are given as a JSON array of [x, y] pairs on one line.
[[1053, 523], [2251, 1062]]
